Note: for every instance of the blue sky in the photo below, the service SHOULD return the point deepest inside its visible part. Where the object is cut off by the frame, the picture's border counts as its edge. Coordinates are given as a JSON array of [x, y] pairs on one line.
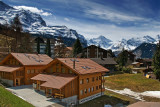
[[114, 19]]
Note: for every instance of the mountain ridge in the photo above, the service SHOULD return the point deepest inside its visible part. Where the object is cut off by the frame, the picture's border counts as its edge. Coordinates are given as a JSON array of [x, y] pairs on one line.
[[34, 24]]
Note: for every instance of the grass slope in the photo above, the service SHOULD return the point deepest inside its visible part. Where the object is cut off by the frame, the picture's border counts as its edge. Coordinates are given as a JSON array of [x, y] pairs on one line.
[[7, 99], [135, 82], [110, 98]]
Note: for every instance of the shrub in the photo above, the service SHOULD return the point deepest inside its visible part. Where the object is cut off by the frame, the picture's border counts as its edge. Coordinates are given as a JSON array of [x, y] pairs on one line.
[[126, 70]]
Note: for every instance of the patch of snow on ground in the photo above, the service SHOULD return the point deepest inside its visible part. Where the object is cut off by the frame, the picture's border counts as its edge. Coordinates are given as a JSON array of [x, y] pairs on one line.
[[127, 92], [151, 94], [136, 95]]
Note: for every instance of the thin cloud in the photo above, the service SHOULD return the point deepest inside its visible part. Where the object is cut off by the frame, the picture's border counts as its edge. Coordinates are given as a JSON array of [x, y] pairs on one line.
[[34, 10], [112, 15], [66, 19]]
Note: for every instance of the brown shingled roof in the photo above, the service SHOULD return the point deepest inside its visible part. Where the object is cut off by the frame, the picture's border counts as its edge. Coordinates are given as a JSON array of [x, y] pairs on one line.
[[9, 68], [56, 81], [32, 59], [83, 66], [104, 61]]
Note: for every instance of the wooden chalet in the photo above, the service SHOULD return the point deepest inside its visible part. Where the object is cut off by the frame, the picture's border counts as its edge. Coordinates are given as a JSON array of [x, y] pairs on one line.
[[131, 57], [71, 80], [68, 52], [93, 51], [17, 68]]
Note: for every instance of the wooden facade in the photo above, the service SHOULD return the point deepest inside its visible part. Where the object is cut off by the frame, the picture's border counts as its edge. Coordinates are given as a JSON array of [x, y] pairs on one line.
[[95, 52], [90, 84], [82, 86], [20, 76]]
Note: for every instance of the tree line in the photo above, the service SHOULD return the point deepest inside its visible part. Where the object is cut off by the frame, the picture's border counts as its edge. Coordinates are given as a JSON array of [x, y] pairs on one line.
[[20, 41]]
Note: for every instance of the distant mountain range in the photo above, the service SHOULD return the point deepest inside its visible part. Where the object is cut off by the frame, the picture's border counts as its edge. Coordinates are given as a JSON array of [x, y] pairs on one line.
[[145, 50], [35, 24]]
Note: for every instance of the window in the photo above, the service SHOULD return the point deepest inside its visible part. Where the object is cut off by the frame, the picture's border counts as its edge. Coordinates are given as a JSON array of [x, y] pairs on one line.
[[28, 80], [92, 79], [96, 87], [82, 92], [92, 89], [49, 91], [81, 81], [70, 71], [85, 90], [63, 70], [99, 77], [100, 86], [87, 80], [89, 90], [57, 69], [28, 71]]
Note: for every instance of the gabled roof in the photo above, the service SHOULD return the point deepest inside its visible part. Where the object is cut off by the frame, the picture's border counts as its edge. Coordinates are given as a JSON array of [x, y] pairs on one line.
[[104, 61], [96, 47], [56, 81], [9, 68], [69, 48], [31, 59], [83, 66], [134, 63]]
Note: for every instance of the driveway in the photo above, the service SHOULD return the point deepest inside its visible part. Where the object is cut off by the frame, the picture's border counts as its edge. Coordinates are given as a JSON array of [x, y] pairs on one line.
[[37, 99]]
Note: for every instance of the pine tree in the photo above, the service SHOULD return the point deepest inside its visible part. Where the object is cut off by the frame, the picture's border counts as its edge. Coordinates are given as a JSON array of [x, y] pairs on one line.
[[77, 48], [122, 58], [38, 45], [17, 29], [48, 48], [22, 39], [156, 62]]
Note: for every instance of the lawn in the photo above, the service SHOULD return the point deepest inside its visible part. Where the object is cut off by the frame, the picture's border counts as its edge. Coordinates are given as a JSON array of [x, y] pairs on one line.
[[135, 82], [7, 99], [110, 98]]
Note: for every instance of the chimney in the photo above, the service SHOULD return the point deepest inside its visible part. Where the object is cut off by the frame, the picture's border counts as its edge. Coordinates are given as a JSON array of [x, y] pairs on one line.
[[74, 62]]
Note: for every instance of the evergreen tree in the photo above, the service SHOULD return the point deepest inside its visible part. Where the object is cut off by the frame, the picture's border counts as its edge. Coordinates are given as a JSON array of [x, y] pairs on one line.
[[17, 29], [21, 41], [156, 62], [48, 48], [77, 48], [38, 45], [122, 58]]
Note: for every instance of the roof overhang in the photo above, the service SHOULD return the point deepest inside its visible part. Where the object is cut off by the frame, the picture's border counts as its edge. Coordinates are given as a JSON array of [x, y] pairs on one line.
[[10, 69]]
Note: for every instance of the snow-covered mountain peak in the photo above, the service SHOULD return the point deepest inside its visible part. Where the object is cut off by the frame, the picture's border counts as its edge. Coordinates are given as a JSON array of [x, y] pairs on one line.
[[28, 19], [34, 24], [101, 40], [148, 39], [4, 6]]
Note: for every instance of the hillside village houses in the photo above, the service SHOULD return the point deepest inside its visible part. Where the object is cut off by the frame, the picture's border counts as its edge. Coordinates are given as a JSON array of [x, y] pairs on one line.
[[43, 42], [100, 56], [71, 80]]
